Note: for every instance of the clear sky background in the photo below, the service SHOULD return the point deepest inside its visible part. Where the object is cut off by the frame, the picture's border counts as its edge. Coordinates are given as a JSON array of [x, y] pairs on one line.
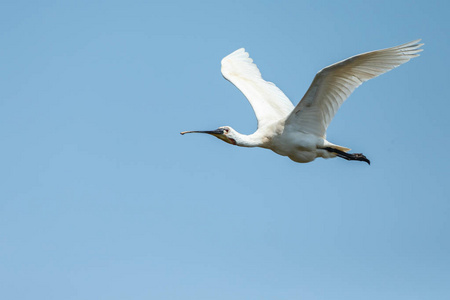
[[102, 198]]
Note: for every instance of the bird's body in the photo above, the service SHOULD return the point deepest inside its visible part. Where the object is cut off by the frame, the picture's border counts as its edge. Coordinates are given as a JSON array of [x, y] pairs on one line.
[[299, 146], [300, 132]]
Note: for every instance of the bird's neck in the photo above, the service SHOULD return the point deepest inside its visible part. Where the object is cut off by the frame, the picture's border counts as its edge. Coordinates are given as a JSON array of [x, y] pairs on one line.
[[252, 140]]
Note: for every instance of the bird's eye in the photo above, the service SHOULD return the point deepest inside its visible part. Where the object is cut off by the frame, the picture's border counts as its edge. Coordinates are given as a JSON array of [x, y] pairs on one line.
[[226, 131]]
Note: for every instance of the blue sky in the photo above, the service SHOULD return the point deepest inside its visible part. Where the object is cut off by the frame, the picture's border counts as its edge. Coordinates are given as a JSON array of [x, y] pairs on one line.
[[101, 198]]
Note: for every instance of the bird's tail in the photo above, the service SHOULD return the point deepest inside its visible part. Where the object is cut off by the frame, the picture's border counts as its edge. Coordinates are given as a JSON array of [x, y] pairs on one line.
[[344, 149]]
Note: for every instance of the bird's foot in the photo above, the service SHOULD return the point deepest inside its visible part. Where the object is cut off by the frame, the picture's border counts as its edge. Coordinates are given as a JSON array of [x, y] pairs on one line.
[[360, 157]]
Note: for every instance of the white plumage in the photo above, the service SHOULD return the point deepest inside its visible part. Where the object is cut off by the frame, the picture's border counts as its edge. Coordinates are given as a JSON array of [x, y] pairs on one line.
[[300, 132]]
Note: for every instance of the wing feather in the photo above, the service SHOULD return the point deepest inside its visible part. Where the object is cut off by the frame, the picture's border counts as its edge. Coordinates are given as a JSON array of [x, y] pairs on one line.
[[267, 100], [334, 84]]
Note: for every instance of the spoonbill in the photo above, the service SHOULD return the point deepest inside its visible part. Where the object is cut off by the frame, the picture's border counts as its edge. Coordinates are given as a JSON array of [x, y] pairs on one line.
[[300, 132]]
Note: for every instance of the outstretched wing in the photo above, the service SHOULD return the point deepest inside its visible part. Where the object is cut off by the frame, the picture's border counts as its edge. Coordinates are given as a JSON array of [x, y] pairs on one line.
[[334, 84], [268, 101]]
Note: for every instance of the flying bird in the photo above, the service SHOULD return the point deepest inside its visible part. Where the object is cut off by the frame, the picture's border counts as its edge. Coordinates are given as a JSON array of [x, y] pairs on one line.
[[300, 132]]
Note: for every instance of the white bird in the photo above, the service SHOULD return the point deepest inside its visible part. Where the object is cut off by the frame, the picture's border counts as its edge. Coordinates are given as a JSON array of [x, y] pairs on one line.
[[300, 132]]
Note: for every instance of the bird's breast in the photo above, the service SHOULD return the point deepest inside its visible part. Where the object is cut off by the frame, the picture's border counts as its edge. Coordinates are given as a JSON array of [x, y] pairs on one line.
[[298, 146]]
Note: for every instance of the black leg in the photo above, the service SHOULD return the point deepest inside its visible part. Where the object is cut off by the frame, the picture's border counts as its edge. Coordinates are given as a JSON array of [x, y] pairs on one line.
[[348, 156]]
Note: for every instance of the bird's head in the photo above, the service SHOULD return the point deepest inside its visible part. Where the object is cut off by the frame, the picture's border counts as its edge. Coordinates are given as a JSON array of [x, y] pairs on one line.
[[225, 133]]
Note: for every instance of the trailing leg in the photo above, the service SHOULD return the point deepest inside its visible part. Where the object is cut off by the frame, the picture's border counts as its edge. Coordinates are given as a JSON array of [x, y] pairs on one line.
[[348, 156]]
